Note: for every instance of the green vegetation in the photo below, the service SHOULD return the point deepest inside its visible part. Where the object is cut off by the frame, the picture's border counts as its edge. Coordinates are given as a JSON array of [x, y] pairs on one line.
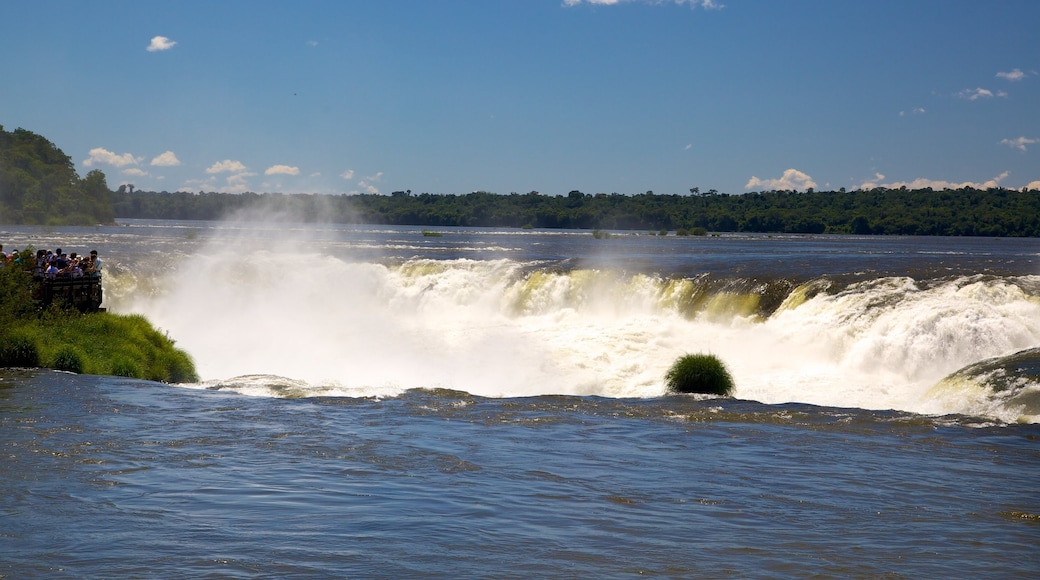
[[879, 211], [39, 185], [699, 373], [99, 343]]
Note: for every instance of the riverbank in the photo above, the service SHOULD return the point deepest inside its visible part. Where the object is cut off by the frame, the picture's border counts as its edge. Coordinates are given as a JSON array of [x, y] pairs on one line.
[[99, 343]]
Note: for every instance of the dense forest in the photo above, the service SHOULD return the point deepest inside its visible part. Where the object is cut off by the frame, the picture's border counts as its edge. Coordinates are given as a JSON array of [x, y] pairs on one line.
[[961, 212], [39, 185]]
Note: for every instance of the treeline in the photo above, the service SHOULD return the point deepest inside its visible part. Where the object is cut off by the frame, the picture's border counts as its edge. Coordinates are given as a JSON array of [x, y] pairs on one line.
[[39, 184], [961, 212]]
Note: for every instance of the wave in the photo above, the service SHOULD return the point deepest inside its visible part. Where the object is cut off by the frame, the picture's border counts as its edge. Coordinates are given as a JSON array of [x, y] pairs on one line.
[[510, 328]]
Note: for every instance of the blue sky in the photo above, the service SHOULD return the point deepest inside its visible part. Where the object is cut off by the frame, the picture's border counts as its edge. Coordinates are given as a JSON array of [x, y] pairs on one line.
[[454, 96]]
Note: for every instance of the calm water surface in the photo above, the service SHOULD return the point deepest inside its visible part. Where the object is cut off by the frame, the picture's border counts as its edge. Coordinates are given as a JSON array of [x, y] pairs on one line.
[[106, 477]]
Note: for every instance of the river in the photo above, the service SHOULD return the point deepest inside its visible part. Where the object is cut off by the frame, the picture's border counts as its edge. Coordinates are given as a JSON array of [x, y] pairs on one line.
[[467, 402]]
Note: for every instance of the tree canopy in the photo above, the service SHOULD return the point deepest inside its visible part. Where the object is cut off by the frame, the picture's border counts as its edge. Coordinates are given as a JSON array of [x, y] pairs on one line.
[[960, 212], [39, 184]]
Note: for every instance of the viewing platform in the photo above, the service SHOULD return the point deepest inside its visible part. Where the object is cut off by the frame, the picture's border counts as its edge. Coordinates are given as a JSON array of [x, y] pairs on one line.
[[83, 293]]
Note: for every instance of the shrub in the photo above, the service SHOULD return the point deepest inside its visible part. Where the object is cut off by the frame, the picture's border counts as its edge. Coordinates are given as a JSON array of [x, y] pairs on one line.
[[699, 373], [126, 367], [68, 358], [18, 349]]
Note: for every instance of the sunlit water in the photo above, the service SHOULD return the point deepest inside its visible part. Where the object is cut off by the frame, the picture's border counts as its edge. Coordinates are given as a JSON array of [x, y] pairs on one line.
[[376, 402]]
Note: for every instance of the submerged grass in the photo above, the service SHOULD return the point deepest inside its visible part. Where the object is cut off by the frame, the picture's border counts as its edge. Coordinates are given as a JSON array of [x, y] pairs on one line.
[[98, 343]]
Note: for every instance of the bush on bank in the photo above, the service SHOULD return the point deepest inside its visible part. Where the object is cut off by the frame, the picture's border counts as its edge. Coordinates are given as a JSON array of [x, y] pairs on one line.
[[98, 343]]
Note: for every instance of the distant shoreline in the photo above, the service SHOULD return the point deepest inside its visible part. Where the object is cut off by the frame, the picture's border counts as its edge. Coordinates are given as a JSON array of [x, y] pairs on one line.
[[962, 212]]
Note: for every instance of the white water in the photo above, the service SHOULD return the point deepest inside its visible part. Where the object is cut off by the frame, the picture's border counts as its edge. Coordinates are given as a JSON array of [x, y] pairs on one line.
[[334, 327]]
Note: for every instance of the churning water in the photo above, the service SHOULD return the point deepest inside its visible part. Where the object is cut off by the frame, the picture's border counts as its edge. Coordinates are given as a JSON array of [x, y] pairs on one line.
[[380, 402]]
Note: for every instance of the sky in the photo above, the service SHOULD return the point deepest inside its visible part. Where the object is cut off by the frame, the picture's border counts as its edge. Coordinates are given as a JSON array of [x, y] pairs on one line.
[[600, 96]]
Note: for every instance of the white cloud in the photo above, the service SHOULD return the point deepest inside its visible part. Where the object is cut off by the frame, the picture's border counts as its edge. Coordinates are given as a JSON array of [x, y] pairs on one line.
[[226, 166], [1033, 185], [1019, 143], [312, 43], [237, 181], [979, 93], [101, 155], [706, 4], [167, 159], [348, 174], [914, 111], [368, 187], [688, 147], [790, 180], [160, 43], [1014, 75], [922, 183], [135, 172], [282, 170]]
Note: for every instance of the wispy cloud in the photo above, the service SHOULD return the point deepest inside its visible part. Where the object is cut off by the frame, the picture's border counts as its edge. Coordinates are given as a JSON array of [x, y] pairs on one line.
[[348, 174], [136, 172], [367, 184], [705, 4], [166, 159], [1019, 143], [237, 183], [226, 166], [922, 183], [282, 170], [160, 43], [101, 155], [914, 111], [979, 93], [791, 179], [1014, 75]]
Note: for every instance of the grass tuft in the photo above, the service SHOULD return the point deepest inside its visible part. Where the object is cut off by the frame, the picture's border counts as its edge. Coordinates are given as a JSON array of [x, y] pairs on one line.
[[68, 358], [699, 373], [18, 349]]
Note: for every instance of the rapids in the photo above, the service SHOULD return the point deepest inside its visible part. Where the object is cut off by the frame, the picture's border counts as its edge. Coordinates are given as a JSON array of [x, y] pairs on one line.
[[494, 313]]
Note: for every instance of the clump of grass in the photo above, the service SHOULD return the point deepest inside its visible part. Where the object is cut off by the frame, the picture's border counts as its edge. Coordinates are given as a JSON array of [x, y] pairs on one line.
[[126, 367], [68, 358], [18, 349], [699, 373], [432, 234]]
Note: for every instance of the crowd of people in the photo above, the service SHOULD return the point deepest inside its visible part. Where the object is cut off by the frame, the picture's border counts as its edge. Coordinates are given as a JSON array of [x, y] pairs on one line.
[[56, 264]]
